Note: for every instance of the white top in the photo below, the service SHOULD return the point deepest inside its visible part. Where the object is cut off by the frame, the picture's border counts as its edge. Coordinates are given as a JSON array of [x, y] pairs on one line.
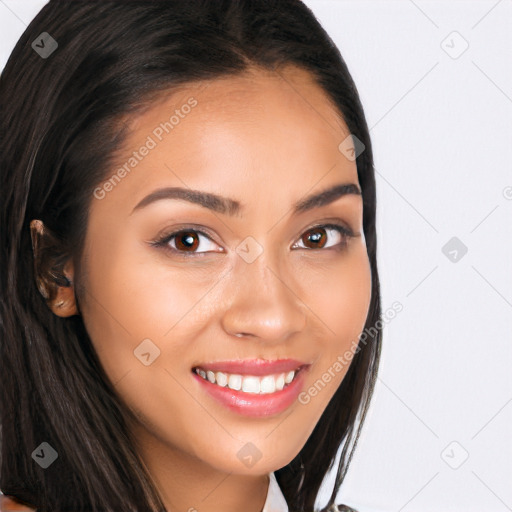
[[275, 501]]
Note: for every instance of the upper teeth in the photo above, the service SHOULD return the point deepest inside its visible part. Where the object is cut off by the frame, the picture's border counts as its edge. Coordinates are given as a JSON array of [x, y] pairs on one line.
[[249, 383]]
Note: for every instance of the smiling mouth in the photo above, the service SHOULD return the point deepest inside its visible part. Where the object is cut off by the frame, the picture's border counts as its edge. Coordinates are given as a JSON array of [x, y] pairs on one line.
[[251, 384]]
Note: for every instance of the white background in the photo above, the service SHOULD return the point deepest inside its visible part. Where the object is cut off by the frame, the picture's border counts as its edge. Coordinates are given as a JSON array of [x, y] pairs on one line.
[[441, 126]]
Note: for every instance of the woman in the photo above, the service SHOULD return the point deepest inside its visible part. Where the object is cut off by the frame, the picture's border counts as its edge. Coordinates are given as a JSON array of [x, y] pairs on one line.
[[190, 297]]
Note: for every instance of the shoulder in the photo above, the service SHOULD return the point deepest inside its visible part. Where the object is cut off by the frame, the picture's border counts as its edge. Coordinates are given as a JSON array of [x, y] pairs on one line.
[[10, 505]]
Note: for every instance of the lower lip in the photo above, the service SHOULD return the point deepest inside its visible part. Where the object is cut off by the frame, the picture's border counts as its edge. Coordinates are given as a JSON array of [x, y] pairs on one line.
[[252, 404]]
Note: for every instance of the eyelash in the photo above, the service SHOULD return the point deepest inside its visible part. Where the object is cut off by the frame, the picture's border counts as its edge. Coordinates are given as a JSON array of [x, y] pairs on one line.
[[164, 240]]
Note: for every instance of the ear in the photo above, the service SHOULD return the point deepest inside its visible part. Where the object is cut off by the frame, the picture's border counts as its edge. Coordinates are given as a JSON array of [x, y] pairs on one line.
[[54, 280], [65, 301]]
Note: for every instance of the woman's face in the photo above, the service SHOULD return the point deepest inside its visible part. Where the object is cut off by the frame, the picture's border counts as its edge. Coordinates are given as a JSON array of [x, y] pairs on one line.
[[260, 268]]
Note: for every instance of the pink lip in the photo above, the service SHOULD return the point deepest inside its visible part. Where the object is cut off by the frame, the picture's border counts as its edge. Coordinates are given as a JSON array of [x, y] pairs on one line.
[[256, 367], [254, 404]]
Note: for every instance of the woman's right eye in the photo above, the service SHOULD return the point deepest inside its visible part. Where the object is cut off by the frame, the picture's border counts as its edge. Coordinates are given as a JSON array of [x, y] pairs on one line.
[[185, 242]]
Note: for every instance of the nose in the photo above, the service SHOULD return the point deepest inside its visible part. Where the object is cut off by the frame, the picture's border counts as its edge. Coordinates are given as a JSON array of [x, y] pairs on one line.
[[264, 303]]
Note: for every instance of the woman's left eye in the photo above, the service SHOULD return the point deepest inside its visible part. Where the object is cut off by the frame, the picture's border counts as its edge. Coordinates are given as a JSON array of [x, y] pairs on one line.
[[187, 241], [316, 236]]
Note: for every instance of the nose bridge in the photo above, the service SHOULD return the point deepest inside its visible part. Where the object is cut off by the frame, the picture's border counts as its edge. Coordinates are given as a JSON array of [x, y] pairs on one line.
[[264, 303]]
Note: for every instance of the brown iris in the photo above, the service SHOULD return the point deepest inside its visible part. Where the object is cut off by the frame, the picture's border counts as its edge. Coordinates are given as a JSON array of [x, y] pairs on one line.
[[185, 240], [314, 236]]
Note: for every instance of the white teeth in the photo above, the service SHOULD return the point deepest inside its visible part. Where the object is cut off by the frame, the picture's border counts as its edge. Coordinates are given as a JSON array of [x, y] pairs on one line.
[[280, 382], [250, 383], [235, 382], [221, 379], [268, 384]]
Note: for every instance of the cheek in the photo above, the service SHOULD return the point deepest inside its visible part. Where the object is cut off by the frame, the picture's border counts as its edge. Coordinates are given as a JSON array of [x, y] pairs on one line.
[[139, 293], [133, 295], [339, 295], [352, 298], [340, 301]]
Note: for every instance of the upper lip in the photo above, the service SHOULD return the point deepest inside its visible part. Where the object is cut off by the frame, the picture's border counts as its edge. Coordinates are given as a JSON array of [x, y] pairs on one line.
[[253, 366]]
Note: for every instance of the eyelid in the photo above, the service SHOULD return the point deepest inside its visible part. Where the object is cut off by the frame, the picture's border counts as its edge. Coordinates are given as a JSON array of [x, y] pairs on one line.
[[332, 222]]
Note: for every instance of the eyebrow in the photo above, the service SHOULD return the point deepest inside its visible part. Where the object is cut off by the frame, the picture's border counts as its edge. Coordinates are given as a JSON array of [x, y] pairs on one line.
[[228, 206]]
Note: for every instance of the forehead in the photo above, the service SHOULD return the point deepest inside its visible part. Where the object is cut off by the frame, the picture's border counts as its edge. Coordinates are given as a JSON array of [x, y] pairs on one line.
[[256, 90], [260, 132]]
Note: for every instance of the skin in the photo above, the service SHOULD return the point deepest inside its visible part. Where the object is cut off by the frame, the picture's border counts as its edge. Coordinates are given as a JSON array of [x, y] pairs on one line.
[[265, 139]]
